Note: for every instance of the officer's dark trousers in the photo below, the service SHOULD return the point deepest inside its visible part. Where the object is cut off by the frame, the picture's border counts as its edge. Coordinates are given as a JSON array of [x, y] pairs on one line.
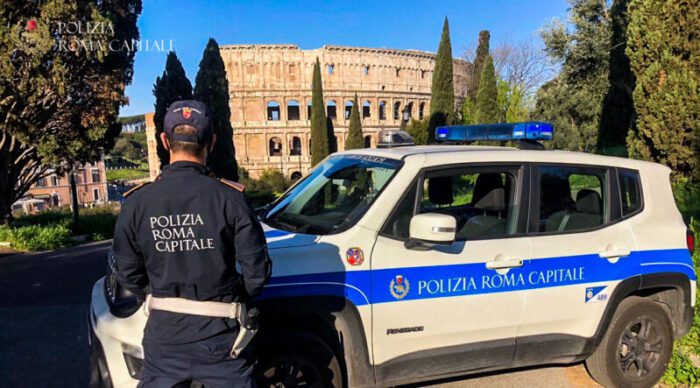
[[206, 361]]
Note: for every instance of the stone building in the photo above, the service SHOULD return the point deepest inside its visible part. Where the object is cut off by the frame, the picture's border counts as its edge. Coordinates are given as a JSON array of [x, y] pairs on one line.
[[270, 98], [153, 161], [54, 190], [270, 88]]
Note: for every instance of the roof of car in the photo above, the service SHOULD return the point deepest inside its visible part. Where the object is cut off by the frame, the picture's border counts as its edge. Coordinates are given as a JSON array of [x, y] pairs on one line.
[[402, 152], [441, 153]]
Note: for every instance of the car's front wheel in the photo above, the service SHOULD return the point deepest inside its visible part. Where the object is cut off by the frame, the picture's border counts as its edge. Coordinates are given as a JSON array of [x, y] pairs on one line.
[[636, 348], [297, 359]]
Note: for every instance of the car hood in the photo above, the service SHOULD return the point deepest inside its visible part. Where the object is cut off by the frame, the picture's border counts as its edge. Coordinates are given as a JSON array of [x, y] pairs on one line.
[[277, 238]]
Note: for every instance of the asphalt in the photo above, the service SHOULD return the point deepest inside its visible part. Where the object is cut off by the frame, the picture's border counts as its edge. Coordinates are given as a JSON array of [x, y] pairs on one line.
[[44, 300]]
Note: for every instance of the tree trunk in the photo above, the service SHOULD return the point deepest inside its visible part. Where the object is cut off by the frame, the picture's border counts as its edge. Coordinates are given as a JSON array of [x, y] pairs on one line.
[[20, 167], [74, 198]]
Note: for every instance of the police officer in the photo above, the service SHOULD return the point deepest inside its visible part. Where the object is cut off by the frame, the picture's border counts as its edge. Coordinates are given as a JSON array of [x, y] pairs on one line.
[[176, 244]]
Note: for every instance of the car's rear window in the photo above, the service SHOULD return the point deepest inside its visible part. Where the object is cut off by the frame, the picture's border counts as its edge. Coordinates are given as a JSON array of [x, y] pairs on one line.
[[630, 192]]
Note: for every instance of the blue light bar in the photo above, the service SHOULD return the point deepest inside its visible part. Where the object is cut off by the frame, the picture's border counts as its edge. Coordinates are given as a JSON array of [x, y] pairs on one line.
[[495, 132]]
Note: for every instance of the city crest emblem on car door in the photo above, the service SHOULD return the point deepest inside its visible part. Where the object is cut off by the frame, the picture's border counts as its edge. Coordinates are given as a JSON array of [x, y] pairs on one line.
[[399, 287]]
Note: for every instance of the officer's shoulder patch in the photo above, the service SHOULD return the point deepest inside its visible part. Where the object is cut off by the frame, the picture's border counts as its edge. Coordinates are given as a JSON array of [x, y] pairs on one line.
[[135, 188], [233, 184]]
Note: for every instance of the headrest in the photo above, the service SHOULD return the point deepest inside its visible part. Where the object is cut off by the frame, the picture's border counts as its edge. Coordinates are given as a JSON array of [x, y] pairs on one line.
[[440, 190], [485, 184], [555, 191], [494, 200], [588, 201]]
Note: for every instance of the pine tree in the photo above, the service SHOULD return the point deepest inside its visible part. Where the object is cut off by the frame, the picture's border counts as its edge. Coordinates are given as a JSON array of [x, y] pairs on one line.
[[664, 52], [482, 51], [172, 86], [486, 99], [355, 139], [442, 101], [319, 127], [59, 102], [211, 87], [618, 107], [573, 100]]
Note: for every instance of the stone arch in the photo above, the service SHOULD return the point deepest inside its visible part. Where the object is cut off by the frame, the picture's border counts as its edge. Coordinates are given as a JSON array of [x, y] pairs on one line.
[[308, 110], [407, 111], [397, 110], [295, 148], [331, 110], [421, 110], [382, 110], [368, 141], [296, 175], [273, 111], [366, 109], [293, 112], [348, 109], [275, 146]]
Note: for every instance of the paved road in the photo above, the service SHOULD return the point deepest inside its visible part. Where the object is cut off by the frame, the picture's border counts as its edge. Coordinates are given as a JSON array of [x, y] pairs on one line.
[[43, 335], [43, 308]]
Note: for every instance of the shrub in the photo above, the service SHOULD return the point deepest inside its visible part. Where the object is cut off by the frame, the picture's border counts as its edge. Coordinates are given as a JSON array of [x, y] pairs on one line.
[[36, 237], [97, 222]]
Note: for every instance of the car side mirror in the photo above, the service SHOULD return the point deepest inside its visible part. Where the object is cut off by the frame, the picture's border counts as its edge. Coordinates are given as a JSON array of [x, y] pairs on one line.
[[431, 229]]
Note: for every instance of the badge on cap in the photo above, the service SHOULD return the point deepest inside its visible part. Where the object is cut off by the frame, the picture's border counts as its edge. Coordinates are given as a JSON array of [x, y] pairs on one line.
[[186, 112]]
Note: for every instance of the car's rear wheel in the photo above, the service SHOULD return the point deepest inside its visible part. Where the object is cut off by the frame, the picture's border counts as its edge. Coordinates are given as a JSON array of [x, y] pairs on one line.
[[636, 348], [297, 359]]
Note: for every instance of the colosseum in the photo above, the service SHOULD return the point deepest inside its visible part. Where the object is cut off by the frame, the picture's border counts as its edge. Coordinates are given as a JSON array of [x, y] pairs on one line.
[[270, 89], [270, 98]]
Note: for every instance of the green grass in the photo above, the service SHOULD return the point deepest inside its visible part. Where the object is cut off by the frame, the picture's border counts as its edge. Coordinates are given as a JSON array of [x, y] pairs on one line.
[[127, 174]]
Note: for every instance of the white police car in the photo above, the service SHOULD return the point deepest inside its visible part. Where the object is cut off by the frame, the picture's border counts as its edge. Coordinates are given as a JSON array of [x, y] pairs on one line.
[[406, 264]]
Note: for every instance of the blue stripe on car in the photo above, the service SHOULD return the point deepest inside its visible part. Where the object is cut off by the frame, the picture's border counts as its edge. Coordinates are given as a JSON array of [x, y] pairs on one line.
[[474, 278]]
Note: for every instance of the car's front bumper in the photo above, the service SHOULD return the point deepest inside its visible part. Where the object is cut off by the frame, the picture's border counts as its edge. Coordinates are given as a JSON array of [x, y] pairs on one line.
[[113, 341]]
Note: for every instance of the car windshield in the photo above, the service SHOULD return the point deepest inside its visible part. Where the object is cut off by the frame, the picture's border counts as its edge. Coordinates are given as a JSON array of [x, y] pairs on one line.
[[334, 196]]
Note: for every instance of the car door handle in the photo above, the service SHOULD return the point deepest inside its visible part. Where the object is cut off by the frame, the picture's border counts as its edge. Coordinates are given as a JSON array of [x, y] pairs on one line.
[[614, 253], [502, 264]]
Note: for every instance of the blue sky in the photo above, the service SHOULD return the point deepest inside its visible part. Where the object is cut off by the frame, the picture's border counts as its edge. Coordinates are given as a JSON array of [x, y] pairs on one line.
[[312, 24]]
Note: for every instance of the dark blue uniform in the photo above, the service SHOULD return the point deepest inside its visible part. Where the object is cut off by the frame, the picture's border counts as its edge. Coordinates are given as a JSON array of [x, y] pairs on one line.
[[181, 236]]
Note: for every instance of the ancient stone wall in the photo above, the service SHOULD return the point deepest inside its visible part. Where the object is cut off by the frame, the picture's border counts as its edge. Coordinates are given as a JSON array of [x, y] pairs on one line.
[[270, 90]]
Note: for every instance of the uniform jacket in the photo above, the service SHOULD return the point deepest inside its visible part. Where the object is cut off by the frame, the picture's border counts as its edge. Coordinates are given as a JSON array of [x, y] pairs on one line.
[[192, 236]]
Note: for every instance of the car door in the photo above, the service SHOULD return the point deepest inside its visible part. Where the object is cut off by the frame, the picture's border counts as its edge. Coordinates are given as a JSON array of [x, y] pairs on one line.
[[580, 252], [448, 308]]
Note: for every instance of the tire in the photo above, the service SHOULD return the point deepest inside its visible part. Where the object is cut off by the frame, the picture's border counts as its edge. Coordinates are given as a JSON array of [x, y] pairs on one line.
[[295, 359], [636, 347]]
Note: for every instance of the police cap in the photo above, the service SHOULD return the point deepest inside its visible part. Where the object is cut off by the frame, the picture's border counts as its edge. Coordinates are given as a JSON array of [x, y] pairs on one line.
[[189, 112]]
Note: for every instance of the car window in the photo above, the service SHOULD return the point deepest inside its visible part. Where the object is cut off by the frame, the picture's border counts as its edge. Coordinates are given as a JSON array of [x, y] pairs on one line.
[[571, 198], [334, 196], [630, 191], [480, 201]]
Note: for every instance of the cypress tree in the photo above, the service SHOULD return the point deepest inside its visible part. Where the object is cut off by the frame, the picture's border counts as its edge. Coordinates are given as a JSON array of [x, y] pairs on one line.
[[172, 86], [332, 139], [618, 107], [355, 140], [482, 51], [663, 48], [418, 131], [487, 98], [442, 101], [319, 127], [211, 88]]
